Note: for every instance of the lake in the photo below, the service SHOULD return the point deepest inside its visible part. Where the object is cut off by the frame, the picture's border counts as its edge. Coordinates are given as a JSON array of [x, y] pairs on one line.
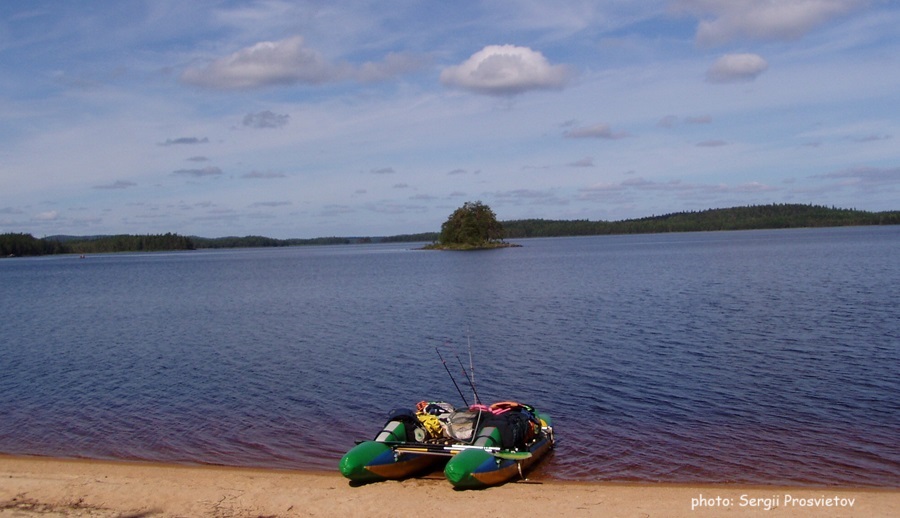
[[769, 357]]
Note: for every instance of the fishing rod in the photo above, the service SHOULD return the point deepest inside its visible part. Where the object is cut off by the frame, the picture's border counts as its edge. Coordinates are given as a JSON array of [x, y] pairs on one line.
[[451, 376], [470, 380], [472, 366]]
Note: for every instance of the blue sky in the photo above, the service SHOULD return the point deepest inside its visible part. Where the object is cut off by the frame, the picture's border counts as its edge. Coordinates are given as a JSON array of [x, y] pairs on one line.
[[307, 119]]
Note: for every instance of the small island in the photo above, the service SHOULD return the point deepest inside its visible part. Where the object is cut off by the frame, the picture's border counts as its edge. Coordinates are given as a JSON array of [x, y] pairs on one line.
[[473, 226]]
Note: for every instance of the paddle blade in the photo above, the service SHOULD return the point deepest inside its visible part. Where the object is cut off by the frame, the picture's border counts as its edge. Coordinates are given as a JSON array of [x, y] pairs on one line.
[[512, 455]]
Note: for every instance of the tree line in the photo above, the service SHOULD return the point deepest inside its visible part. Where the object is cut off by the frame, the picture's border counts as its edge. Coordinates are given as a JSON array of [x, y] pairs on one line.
[[476, 215], [262, 241], [26, 244], [738, 218]]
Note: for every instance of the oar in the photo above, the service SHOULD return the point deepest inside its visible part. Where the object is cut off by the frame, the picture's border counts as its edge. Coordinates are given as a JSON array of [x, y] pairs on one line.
[[512, 455], [454, 449]]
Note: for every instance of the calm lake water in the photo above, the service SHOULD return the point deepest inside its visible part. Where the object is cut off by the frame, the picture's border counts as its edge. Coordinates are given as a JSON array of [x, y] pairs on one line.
[[755, 357]]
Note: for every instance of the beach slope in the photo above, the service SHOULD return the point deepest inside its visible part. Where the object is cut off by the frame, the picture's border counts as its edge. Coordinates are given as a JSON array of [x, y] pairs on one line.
[[46, 487]]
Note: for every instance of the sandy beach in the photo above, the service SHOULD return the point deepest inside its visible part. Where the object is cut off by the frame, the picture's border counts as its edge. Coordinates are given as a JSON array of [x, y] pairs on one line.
[[31, 486]]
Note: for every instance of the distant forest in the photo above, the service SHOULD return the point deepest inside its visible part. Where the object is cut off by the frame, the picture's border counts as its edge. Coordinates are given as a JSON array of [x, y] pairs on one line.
[[737, 218], [26, 244]]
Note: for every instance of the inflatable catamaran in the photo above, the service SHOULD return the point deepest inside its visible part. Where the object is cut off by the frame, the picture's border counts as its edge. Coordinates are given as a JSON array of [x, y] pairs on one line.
[[483, 445]]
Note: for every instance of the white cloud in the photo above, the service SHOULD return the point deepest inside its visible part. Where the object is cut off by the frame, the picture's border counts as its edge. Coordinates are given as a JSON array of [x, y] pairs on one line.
[[266, 63], [290, 61], [506, 70], [733, 68], [726, 20]]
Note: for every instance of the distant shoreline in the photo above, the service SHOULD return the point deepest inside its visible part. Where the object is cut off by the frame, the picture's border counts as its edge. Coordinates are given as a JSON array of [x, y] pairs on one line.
[[469, 248], [759, 217]]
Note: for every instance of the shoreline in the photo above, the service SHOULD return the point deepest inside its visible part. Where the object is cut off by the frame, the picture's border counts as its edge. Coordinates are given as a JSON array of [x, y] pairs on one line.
[[51, 487]]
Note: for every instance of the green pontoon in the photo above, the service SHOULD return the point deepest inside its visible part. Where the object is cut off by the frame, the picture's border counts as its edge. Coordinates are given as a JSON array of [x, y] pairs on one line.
[[482, 445]]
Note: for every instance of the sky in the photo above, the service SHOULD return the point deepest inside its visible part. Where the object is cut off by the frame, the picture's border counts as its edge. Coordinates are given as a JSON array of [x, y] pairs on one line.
[[300, 119]]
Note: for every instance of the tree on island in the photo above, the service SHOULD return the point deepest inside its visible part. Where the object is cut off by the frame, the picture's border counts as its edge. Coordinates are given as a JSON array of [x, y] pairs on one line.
[[474, 225]]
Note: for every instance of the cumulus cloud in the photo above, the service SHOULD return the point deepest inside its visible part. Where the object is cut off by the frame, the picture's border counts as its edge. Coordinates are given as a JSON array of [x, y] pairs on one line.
[[289, 62], [265, 119], [119, 184], [602, 131], [734, 68], [267, 63], [199, 173], [506, 70], [723, 21]]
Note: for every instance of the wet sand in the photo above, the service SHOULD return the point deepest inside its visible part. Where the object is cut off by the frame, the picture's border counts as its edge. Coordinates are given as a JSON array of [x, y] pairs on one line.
[[45, 487]]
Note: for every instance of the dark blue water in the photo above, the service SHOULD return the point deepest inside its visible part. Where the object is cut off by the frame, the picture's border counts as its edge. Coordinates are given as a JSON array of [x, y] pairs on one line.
[[757, 357]]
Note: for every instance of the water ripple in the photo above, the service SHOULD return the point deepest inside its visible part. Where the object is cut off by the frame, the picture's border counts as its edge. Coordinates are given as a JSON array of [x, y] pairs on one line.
[[755, 357]]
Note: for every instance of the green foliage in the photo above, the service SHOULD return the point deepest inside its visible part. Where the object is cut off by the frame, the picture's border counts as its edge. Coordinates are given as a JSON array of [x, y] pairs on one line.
[[472, 225], [26, 244], [131, 243], [411, 238], [263, 242]]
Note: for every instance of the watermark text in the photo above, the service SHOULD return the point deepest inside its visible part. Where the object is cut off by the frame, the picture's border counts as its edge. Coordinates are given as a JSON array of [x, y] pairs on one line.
[[769, 502]]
